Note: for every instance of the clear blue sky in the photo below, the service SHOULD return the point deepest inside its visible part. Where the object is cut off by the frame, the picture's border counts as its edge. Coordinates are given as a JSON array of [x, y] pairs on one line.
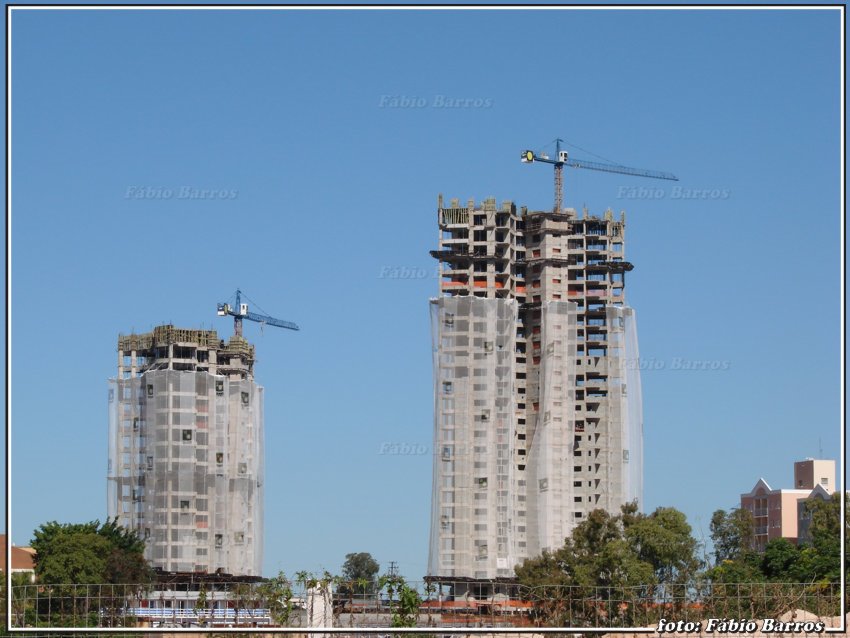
[[331, 190]]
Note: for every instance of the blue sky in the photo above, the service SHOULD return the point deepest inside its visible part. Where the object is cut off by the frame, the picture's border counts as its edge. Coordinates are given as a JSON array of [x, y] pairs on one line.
[[331, 198]]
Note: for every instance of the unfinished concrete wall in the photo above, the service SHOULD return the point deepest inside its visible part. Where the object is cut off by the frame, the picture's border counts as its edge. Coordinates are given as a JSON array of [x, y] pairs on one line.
[[575, 438]]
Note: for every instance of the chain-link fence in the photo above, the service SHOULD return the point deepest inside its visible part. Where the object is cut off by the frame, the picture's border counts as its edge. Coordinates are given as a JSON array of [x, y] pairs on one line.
[[426, 605]]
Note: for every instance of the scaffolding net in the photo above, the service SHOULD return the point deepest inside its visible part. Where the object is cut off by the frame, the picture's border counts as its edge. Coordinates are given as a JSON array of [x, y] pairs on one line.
[[502, 490], [633, 431], [550, 436], [185, 469], [625, 419], [474, 375]]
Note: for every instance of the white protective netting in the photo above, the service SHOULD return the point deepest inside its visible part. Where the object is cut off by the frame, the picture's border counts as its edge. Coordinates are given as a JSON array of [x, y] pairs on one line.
[[185, 469], [625, 417], [474, 376], [633, 411], [550, 460]]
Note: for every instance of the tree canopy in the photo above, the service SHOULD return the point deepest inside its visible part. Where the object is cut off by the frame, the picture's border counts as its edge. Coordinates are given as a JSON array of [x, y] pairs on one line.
[[89, 553], [607, 557], [627, 550], [612, 566], [359, 572], [731, 533], [815, 558]]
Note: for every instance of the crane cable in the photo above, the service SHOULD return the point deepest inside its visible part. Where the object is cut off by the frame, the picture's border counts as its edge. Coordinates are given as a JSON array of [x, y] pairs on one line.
[[568, 143], [255, 304]]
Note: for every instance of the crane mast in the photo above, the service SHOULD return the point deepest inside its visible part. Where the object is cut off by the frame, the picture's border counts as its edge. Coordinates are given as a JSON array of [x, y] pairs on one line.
[[559, 187]]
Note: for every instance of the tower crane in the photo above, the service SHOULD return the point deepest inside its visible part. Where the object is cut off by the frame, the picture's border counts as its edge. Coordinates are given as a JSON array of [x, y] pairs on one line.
[[563, 159], [240, 311]]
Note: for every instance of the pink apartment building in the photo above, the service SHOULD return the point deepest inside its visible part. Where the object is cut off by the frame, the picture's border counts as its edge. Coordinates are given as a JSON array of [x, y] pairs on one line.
[[777, 513]]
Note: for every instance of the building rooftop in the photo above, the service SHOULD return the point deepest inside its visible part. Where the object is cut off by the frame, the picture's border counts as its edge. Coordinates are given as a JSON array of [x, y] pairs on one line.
[[22, 557]]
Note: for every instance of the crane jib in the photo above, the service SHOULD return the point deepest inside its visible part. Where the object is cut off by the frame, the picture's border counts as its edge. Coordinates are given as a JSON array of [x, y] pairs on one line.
[[241, 312], [562, 158], [618, 168]]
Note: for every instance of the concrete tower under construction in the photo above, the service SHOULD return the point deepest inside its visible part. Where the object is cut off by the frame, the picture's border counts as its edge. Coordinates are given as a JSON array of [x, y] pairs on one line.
[[537, 398], [185, 465]]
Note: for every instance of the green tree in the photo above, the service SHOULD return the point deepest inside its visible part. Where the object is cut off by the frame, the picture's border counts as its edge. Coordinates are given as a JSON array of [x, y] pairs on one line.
[[404, 600], [558, 581], [780, 561], [276, 594], [664, 540], [746, 570], [359, 572], [121, 538], [79, 557], [821, 552], [610, 567], [735, 559], [731, 534], [816, 560], [619, 567], [89, 553], [89, 569]]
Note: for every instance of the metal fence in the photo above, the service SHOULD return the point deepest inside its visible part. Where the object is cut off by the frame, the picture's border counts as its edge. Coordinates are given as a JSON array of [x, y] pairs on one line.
[[443, 605]]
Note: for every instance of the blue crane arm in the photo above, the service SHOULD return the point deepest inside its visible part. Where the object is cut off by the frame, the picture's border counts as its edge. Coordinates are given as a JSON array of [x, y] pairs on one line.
[[531, 156], [280, 323], [616, 168]]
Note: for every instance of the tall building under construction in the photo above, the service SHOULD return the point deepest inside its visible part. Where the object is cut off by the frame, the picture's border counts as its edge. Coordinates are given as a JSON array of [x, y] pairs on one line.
[[537, 398], [185, 463]]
